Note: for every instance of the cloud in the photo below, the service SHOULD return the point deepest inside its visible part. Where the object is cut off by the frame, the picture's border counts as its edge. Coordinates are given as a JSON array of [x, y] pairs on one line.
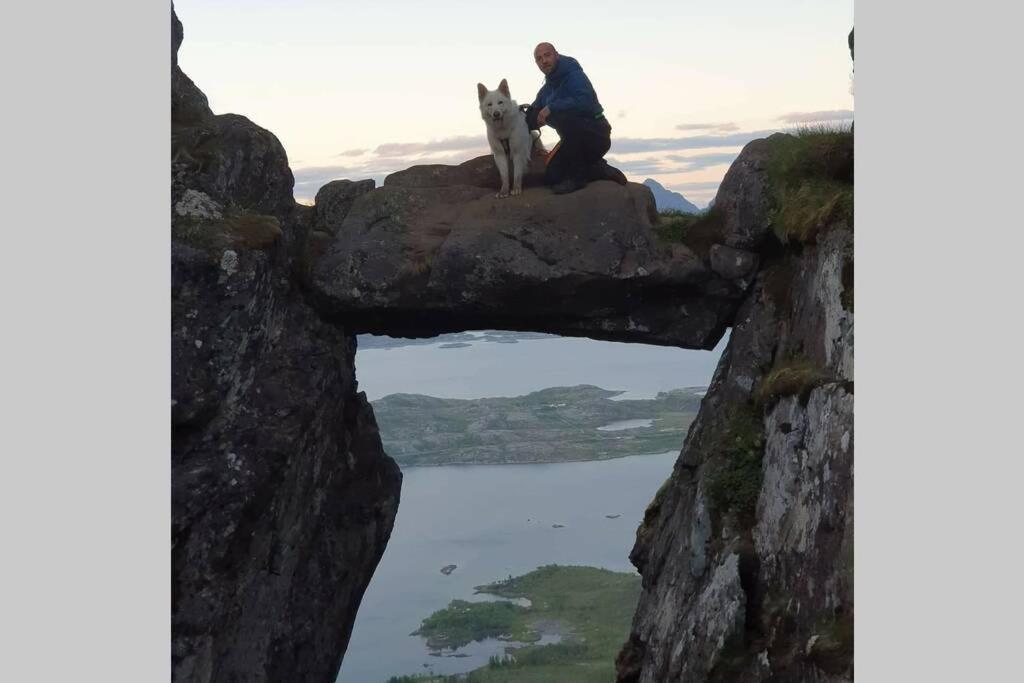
[[645, 166], [389, 157], [720, 127], [635, 145], [310, 179], [318, 176], [695, 186], [817, 116], [672, 163], [458, 142], [698, 162]]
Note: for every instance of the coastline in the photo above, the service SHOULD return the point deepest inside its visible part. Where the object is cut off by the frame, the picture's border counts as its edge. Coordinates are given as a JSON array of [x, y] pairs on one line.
[[534, 462]]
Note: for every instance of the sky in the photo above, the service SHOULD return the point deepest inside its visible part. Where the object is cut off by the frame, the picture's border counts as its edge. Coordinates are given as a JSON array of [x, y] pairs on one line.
[[359, 90]]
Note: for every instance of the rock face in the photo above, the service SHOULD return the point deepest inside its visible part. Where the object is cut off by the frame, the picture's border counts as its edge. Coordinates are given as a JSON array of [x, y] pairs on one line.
[[282, 497], [433, 251], [748, 564], [744, 197]]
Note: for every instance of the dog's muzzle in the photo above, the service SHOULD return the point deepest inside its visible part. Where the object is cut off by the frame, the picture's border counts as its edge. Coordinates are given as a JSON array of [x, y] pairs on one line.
[[496, 116]]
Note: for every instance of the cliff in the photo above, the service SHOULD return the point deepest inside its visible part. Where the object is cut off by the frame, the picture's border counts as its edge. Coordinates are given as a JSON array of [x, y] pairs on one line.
[[746, 552], [283, 499]]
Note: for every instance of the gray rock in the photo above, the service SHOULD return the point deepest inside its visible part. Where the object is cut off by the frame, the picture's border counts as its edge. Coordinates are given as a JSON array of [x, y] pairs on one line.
[[334, 200], [732, 264], [478, 172], [282, 498], [745, 199], [795, 558]]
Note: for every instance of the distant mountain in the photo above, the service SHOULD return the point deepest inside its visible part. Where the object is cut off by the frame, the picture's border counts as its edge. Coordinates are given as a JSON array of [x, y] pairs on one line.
[[667, 199]]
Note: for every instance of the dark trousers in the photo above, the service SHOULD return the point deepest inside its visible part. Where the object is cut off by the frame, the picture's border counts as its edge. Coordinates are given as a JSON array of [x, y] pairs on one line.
[[584, 142]]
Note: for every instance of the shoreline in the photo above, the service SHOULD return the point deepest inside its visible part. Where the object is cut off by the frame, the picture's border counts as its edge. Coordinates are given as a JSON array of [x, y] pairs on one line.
[[534, 462]]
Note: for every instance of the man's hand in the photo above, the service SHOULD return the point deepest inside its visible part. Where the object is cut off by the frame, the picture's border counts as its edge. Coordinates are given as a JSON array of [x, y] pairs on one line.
[[543, 115]]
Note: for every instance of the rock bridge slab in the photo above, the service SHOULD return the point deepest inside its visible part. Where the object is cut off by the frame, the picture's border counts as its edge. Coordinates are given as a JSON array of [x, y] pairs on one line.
[[434, 251]]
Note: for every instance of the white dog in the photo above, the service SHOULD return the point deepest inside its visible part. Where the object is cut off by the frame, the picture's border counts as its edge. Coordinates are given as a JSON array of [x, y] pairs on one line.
[[507, 133]]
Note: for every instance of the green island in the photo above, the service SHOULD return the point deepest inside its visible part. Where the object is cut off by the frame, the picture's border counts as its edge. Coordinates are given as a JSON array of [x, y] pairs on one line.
[[589, 608], [560, 424]]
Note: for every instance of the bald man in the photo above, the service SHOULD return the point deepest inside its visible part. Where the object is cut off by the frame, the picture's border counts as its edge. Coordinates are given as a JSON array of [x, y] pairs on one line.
[[567, 102]]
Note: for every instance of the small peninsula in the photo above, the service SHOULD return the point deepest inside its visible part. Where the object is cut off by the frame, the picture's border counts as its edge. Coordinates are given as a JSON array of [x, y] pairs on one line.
[[587, 608]]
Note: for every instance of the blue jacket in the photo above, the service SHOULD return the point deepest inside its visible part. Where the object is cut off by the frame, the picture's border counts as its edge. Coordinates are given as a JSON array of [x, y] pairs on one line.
[[567, 90]]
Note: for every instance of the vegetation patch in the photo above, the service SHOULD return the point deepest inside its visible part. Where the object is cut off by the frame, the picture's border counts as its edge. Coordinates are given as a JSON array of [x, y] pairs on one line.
[[558, 424], [593, 607], [811, 172], [462, 622], [832, 649], [238, 229], [696, 230], [808, 207], [736, 484], [793, 377]]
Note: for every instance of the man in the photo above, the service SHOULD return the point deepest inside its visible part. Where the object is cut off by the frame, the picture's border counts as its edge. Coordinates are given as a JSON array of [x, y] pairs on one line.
[[568, 103]]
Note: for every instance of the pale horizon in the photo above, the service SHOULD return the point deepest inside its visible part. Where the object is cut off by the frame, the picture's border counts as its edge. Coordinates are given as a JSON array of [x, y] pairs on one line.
[[362, 91]]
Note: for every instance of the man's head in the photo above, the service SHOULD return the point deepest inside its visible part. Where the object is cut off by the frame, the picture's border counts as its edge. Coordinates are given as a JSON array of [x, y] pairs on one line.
[[546, 57]]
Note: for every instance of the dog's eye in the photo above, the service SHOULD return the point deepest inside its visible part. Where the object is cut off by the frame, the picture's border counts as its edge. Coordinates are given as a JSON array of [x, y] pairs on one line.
[[501, 101]]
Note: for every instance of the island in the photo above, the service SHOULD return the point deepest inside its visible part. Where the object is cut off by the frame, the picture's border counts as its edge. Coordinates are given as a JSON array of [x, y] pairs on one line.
[[560, 424], [586, 611]]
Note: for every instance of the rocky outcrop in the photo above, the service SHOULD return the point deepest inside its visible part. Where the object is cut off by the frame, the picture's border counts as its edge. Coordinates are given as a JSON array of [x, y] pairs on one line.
[[282, 497], [746, 551], [433, 250]]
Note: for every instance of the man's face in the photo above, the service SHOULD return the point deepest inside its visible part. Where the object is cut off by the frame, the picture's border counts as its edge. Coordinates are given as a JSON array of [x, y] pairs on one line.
[[546, 58]]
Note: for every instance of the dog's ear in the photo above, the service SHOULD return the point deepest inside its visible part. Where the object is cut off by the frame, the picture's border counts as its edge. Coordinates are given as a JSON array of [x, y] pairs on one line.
[[481, 91], [503, 88]]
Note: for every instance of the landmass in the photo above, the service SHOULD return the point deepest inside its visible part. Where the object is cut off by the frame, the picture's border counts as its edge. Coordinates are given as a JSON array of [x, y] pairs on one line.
[[372, 341], [560, 424], [589, 608]]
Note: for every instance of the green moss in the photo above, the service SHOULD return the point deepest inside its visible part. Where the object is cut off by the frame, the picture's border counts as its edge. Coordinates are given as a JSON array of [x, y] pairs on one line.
[[735, 484], [811, 173], [832, 651], [696, 230], [647, 525], [238, 229], [793, 377]]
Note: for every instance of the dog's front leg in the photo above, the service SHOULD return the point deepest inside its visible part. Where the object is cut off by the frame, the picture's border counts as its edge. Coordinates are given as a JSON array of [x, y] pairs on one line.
[[501, 160], [517, 174]]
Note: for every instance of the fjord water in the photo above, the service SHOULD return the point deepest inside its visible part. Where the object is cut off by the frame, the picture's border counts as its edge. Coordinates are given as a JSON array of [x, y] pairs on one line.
[[493, 521], [484, 369]]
